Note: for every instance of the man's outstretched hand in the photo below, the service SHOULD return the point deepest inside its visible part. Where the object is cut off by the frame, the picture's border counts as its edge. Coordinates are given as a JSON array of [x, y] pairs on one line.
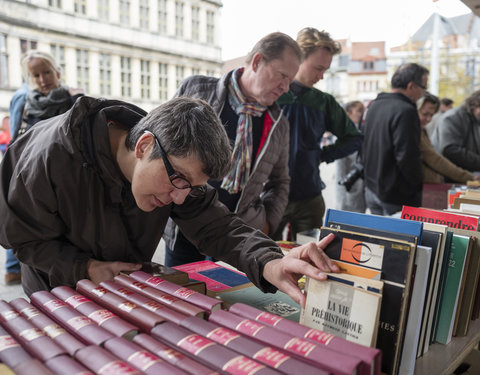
[[99, 271]]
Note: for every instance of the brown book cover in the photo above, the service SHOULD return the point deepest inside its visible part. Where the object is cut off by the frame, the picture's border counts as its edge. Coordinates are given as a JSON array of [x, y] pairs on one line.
[[158, 308], [82, 327], [183, 292], [327, 359], [32, 366], [57, 333], [372, 357], [173, 356], [167, 273], [66, 365], [141, 358], [265, 354], [101, 361], [103, 317], [208, 351], [11, 352], [142, 318], [171, 301]]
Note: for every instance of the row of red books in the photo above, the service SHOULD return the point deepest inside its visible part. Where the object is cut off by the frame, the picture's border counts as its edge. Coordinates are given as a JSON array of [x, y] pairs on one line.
[[143, 324]]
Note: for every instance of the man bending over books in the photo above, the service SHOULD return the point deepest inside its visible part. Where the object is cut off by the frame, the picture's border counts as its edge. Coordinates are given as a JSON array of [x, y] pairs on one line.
[[87, 194]]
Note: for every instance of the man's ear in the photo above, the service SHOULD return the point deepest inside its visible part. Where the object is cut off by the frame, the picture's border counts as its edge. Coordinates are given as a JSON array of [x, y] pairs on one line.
[[144, 144], [257, 58]]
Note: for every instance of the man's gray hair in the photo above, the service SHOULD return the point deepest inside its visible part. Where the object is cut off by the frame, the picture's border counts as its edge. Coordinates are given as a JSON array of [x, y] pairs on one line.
[[272, 46], [187, 127], [406, 73], [473, 101]]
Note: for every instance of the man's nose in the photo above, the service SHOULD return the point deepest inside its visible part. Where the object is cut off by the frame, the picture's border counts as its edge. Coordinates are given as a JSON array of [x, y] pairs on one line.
[[179, 195]]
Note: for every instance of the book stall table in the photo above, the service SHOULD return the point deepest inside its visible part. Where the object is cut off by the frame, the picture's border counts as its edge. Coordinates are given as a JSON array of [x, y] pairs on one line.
[[444, 359]]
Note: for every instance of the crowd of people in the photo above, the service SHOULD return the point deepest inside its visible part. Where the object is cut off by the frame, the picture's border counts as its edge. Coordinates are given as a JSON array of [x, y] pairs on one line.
[[91, 185]]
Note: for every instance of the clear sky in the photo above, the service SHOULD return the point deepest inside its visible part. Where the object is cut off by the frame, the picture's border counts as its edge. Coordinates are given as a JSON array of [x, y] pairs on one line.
[[244, 22]]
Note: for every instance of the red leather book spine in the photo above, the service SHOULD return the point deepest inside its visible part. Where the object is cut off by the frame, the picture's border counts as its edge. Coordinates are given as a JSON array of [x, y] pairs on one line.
[[140, 358], [201, 300], [83, 328], [371, 357], [129, 311], [103, 317], [147, 303], [102, 362], [213, 354], [173, 356], [265, 354], [57, 333], [66, 365], [167, 299], [11, 352], [328, 360]]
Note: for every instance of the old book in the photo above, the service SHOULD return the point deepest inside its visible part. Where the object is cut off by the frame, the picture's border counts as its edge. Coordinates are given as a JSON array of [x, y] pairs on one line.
[[435, 196], [156, 307], [215, 276], [182, 292], [103, 317], [11, 352], [371, 357], [449, 219], [66, 365], [82, 327], [208, 351], [453, 284], [56, 332], [395, 259], [140, 358], [138, 316], [265, 354], [32, 366], [345, 305], [315, 354], [101, 361], [173, 356], [463, 199], [164, 272], [277, 303], [30, 337]]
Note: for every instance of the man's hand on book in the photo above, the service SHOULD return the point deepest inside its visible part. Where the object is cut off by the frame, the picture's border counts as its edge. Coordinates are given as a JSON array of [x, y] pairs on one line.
[[308, 259], [99, 271]]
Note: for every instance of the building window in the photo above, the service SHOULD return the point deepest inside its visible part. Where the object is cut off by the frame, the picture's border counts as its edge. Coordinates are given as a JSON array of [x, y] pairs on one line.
[[3, 61], [27, 45], [58, 53], [83, 70], [195, 23], [80, 6], [163, 81], [368, 65], [210, 26], [144, 13], [104, 62], [55, 3], [145, 78], [210, 73], [103, 7], [126, 76], [124, 6], [195, 71], [162, 16], [179, 75], [179, 18]]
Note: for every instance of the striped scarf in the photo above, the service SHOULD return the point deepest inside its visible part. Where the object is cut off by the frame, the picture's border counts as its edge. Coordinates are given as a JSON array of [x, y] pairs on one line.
[[237, 178]]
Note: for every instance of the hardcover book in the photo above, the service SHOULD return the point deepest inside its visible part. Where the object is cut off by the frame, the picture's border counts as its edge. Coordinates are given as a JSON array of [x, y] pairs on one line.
[[166, 273], [66, 365], [57, 333], [319, 355], [215, 276], [265, 354], [183, 292], [101, 361], [140, 358], [82, 327], [11, 352], [371, 357], [173, 356], [208, 351], [440, 217], [344, 305], [103, 317], [395, 259], [32, 366], [138, 316]]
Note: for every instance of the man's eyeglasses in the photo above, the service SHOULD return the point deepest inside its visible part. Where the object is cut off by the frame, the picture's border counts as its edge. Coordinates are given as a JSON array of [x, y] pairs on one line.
[[177, 180], [421, 86]]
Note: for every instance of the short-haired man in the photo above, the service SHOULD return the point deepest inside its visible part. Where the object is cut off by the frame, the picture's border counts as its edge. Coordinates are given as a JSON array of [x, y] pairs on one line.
[[256, 188], [311, 112], [391, 148], [457, 134], [87, 194]]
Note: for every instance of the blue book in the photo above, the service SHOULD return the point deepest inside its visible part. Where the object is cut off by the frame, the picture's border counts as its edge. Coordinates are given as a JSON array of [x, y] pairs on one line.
[[385, 223]]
